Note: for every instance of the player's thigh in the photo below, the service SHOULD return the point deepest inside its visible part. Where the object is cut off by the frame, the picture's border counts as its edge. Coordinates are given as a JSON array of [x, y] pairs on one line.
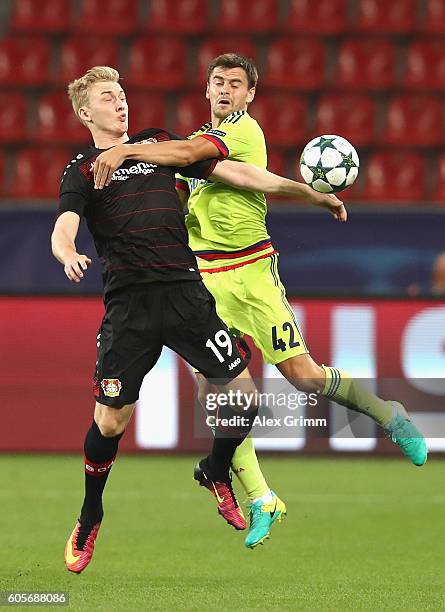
[[193, 329], [270, 319], [128, 346], [224, 288]]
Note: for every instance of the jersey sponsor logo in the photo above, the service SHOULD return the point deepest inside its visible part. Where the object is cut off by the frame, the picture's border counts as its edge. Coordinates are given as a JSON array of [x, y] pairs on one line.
[[123, 174], [217, 133], [111, 387], [234, 363]]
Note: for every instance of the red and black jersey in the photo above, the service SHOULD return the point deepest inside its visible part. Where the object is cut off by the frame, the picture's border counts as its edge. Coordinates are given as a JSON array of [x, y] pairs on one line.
[[137, 222]]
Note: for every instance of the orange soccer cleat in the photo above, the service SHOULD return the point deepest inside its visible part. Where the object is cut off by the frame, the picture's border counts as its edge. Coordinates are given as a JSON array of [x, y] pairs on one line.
[[80, 547], [228, 506]]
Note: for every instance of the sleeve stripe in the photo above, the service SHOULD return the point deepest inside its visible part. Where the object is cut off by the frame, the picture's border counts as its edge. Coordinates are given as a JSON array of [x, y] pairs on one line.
[[219, 144], [183, 185]]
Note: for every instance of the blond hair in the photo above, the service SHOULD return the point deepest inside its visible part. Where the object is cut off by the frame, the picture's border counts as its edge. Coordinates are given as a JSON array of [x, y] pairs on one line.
[[78, 89]]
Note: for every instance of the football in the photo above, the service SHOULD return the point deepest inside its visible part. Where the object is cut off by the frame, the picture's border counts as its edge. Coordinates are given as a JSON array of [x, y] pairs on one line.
[[329, 163]]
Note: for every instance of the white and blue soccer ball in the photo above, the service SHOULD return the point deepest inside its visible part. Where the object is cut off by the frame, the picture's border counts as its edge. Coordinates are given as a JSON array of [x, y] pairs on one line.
[[329, 163]]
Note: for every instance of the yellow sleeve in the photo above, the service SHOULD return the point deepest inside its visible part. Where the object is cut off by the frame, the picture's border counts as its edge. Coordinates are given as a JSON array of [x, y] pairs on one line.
[[236, 137]]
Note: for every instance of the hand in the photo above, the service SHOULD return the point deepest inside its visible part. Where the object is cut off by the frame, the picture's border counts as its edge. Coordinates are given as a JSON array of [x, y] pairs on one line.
[[105, 165], [74, 266], [331, 203]]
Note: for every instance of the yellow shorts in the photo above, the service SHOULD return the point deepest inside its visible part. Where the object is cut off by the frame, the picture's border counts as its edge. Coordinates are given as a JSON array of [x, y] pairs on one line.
[[251, 300]]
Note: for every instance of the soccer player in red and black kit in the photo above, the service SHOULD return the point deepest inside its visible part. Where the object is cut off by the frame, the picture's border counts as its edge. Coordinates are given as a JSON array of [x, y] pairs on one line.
[[153, 292]]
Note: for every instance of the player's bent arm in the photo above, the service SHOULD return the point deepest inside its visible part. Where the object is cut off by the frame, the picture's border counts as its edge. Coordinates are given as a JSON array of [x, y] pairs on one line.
[[252, 178], [64, 248], [177, 153]]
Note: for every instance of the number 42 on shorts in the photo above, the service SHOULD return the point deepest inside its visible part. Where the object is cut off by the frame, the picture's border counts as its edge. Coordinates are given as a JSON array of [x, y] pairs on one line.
[[278, 343]]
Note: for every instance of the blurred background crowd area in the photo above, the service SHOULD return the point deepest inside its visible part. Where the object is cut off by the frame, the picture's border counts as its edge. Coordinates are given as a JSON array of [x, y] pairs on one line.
[[372, 71]]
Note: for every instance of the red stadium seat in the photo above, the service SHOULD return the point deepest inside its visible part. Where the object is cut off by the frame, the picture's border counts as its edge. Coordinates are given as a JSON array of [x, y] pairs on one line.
[[24, 61], [414, 121], [395, 177], [108, 18], [145, 110], [57, 123], [321, 17], [282, 117], [295, 63], [435, 16], [12, 117], [192, 110], [157, 62], [395, 17], [78, 54], [439, 182], [259, 16], [351, 115], [38, 16], [366, 64], [188, 17], [425, 64], [37, 173], [276, 162], [211, 48]]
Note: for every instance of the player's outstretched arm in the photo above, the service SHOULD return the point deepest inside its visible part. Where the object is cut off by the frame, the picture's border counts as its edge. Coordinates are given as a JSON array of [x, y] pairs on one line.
[[251, 178], [177, 153], [64, 248]]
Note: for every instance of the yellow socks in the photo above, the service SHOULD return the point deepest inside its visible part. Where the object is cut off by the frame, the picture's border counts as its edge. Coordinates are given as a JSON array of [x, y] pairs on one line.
[[245, 466], [344, 390]]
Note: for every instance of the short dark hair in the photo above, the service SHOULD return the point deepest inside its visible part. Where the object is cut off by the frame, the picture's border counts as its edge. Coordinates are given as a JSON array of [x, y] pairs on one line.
[[234, 60]]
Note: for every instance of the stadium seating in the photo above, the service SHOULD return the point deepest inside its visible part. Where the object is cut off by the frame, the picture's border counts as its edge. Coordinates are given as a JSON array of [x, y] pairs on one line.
[[395, 177], [78, 54], [295, 63], [57, 123], [188, 17], [51, 16], [439, 181], [366, 64], [216, 46], [168, 71], [24, 61], [145, 110], [113, 17], [192, 110], [435, 16], [12, 117], [327, 17], [414, 121], [282, 117], [37, 173], [235, 16], [350, 114], [381, 16], [425, 64], [276, 162]]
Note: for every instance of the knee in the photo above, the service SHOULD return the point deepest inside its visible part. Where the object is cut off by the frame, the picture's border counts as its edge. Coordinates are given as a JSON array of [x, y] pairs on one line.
[[111, 421]]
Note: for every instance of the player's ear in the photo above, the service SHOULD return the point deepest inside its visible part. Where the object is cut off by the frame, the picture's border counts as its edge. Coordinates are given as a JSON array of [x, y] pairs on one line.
[[251, 95], [84, 113], [207, 92]]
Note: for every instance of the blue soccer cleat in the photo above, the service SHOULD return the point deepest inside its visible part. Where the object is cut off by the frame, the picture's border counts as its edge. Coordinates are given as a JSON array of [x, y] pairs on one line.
[[405, 434], [262, 517]]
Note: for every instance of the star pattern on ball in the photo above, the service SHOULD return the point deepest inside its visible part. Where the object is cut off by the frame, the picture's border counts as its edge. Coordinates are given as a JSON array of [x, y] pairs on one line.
[[326, 143]]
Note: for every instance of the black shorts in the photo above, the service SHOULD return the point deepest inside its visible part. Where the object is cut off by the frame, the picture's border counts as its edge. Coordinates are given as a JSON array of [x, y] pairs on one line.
[[140, 320]]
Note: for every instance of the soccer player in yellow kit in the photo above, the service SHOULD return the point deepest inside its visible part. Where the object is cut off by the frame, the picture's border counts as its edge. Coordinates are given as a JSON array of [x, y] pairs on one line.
[[228, 235], [238, 263]]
